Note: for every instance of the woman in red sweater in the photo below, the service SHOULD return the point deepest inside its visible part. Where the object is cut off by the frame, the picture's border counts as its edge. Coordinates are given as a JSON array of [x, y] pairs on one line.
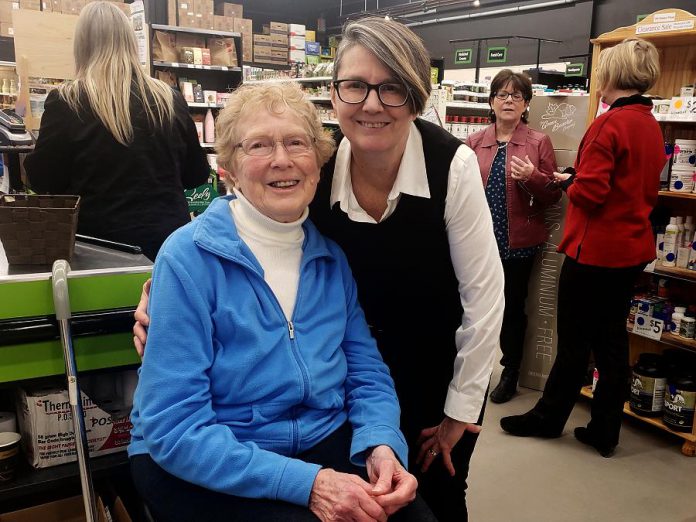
[[607, 240]]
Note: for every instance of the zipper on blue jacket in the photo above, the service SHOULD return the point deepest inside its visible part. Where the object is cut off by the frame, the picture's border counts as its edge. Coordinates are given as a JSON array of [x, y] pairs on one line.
[[291, 330]]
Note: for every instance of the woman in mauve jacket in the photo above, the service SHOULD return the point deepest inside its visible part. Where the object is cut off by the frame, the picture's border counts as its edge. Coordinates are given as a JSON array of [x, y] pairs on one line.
[[607, 241], [517, 165]]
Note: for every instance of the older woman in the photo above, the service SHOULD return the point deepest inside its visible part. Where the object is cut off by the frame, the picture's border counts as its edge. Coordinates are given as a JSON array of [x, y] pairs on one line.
[[517, 165], [607, 241], [404, 200], [262, 395]]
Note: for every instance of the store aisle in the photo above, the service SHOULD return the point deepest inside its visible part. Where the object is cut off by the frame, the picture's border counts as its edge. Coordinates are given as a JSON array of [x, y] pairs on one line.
[[516, 479]]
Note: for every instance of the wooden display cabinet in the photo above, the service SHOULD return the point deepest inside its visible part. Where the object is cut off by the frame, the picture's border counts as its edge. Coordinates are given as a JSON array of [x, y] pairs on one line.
[[673, 32]]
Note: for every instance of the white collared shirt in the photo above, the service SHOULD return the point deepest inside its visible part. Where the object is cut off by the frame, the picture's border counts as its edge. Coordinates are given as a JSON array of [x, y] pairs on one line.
[[474, 255]]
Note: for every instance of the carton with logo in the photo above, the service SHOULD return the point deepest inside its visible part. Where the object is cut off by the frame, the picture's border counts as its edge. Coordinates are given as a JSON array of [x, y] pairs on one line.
[[47, 432]]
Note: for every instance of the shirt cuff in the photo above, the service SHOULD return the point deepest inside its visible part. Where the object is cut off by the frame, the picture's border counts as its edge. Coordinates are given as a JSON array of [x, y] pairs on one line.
[[378, 436], [463, 407], [297, 481]]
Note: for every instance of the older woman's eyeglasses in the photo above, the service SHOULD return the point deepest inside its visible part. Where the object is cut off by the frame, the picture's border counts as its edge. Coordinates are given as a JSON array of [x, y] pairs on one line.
[[391, 94], [503, 95], [264, 145]]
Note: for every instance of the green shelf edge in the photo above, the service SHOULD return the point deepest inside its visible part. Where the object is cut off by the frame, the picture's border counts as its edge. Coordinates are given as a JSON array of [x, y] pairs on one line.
[[30, 361]]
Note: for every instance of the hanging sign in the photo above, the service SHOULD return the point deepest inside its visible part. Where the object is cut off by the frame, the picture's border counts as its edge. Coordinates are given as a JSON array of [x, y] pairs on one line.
[[575, 69], [497, 54], [664, 27], [462, 56]]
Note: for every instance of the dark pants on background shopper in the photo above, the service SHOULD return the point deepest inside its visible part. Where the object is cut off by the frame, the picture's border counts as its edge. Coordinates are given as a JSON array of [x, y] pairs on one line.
[[593, 304], [171, 499], [517, 272]]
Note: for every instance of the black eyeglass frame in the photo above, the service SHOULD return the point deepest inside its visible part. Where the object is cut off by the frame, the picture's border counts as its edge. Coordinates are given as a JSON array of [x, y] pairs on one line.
[[509, 95], [371, 87]]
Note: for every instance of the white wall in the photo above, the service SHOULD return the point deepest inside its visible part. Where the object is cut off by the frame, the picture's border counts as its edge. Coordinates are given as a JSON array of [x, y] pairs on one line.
[[486, 74]]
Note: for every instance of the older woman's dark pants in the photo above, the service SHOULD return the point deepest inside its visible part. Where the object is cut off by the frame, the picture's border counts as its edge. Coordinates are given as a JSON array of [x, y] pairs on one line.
[[171, 499]]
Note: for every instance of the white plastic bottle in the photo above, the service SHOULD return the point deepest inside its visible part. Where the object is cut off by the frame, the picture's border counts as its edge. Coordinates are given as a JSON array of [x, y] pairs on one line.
[[689, 229], [671, 233], [692, 254], [209, 127], [680, 236]]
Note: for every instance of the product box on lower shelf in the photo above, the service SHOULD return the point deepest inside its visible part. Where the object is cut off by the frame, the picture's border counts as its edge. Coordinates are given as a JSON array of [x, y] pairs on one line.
[[68, 510], [47, 432]]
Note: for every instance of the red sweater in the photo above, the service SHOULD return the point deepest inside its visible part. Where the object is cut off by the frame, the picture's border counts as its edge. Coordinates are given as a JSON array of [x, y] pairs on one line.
[[618, 176]]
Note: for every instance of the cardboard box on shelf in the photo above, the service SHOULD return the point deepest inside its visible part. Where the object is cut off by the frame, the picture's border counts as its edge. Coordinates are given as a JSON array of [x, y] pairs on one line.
[[47, 431], [6, 9], [297, 43], [6, 29], [186, 7], [296, 30], [279, 40], [72, 7], [232, 10], [264, 51], [223, 23], [172, 14], [312, 48], [68, 510], [188, 20], [279, 54], [262, 39], [223, 52], [297, 56], [189, 40], [279, 28], [34, 5], [243, 27], [203, 7], [207, 22], [310, 36], [313, 59]]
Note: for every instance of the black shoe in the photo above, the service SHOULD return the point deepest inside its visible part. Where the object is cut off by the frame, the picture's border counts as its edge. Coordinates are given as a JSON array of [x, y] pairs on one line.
[[585, 436], [507, 387], [529, 425]]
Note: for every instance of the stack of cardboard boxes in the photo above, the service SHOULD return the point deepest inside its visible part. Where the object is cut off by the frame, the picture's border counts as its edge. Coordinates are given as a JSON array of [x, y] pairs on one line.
[[201, 14], [72, 7], [272, 46], [296, 34]]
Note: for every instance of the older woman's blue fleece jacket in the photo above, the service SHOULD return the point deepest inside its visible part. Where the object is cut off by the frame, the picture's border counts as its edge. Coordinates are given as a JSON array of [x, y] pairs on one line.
[[230, 391]]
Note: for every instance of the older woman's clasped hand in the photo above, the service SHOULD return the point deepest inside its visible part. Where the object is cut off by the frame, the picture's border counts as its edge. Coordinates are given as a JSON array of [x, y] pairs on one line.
[[521, 169], [343, 496]]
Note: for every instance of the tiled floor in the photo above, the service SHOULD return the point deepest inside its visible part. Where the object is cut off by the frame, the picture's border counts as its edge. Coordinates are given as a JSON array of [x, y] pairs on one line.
[[533, 480]]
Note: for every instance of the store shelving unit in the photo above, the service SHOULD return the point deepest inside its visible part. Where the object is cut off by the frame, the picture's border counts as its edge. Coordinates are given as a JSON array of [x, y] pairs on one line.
[[677, 49], [689, 446], [324, 101]]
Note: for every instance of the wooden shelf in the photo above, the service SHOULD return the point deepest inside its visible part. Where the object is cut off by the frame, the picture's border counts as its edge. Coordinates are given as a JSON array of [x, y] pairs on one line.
[[30, 481], [315, 79], [323, 99], [194, 30], [468, 105], [676, 273], [682, 195], [270, 66], [688, 448], [177, 65], [205, 105], [669, 339]]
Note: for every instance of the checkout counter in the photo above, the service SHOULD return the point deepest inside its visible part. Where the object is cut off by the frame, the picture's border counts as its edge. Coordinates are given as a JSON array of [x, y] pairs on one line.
[[105, 286]]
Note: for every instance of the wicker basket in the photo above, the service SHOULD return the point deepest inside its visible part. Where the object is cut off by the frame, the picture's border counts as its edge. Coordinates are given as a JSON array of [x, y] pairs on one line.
[[37, 230]]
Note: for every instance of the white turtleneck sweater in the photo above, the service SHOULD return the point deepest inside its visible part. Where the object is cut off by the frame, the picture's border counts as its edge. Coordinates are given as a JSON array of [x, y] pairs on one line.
[[277, 247]]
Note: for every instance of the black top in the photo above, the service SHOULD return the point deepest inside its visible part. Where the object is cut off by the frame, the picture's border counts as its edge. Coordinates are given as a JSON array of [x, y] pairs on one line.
[[406, 282], [131, 194]]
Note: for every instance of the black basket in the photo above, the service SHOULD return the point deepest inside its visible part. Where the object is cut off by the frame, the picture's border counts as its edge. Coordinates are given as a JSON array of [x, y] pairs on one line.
[[37, 230]]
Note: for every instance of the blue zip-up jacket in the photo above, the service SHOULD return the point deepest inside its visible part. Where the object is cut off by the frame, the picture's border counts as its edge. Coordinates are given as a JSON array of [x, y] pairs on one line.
[[230, 391]]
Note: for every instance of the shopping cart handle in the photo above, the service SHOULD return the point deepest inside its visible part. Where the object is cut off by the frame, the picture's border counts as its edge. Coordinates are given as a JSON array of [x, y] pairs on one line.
[[61, 298]]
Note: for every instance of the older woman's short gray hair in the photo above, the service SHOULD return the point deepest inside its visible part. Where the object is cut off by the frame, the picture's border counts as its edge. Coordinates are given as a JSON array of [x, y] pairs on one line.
[[398, 48], [275, 98]]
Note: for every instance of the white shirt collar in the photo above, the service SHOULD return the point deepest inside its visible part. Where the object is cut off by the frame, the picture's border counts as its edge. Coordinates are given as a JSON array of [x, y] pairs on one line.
[[411, 178]]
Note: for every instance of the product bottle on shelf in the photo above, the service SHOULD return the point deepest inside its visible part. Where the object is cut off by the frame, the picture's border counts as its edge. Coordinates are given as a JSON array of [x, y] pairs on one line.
[[688, 231], [692, 254], [209, 127], [671, 233], [680, 235]]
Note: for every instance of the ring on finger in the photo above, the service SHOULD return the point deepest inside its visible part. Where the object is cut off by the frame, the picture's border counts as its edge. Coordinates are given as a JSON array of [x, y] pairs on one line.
[[432, 452]]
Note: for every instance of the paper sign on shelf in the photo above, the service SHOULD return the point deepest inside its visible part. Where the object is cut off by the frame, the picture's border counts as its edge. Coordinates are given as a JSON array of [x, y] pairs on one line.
[[649, 327]]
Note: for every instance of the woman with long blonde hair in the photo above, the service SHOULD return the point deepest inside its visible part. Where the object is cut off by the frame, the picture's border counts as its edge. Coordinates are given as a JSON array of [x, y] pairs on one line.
[[123, 141]]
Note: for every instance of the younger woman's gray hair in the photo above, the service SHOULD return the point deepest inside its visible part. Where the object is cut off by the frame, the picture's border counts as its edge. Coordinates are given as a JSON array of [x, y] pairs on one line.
[[398, 48], [108, 73]]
